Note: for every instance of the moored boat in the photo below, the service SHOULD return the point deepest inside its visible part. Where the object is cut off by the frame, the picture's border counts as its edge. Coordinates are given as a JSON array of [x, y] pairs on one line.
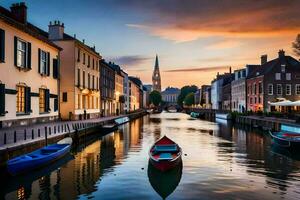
[[287, 137], [38, 158], [194, 115], [165, 154]]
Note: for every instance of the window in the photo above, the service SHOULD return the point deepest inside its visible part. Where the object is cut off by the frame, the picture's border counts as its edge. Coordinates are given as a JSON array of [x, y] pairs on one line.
[[89, 60], [78, 101], [260, 89], [78, 55], [279, 89], [93, 63], [44, 62], [55, 68], [84, 58], [20, 99], [2, 46], [78, 77], [93, 82], [288, 76], [2, 99], [297, 89], [83, 78], [288, 89], [270, 89], [277, 76], [89, 80], [259, 99], [282, 68], [21, 53], [254, 88], [65, 97], [44, 100]]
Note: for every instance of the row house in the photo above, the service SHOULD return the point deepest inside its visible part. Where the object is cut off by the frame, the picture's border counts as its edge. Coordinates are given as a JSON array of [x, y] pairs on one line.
[[80, 75], [119, 98], [107, 87], [125, 90], [207, 97], [135, 93], [29, 70], [238, 88], [219, 100], [273, 81]]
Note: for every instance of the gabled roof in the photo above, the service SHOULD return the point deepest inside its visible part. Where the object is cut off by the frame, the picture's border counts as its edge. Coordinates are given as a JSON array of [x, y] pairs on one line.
[[267, 67], [27, 27]]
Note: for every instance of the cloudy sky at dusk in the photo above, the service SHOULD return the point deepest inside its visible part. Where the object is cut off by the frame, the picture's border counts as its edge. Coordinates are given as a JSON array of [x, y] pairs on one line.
[[194, 39]]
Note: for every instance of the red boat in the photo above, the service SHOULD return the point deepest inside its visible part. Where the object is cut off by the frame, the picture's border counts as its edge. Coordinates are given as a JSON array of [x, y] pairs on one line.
[[165, 154]]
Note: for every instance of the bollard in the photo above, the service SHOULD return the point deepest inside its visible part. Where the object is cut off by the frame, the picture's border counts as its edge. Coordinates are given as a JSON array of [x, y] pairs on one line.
[[32, 134], [15, 136], [4, 138], [25, 134], [46, 136], [39, 133]]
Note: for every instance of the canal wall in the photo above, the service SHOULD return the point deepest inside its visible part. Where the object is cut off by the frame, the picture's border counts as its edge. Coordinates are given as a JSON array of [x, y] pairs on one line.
[[262, 122], [78, 130]]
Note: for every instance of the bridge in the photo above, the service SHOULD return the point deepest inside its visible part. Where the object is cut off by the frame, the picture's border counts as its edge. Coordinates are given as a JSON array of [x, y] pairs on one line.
[[171, 106]]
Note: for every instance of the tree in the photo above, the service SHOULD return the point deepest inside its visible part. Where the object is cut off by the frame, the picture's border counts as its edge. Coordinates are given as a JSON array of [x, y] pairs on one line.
[[189, 99], [184, 92], [155, 98], [296, 45]]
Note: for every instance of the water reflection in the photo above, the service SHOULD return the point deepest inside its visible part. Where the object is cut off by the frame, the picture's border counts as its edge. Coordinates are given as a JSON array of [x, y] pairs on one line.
[[164, 183], [221, 162]]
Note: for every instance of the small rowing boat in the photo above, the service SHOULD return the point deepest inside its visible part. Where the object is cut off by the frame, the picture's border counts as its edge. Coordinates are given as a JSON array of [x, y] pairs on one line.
[[39, 158], [287, 137], [165, 154]]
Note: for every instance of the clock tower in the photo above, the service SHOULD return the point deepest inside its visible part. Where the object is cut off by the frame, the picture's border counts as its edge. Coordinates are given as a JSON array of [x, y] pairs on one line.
[[156, 82]]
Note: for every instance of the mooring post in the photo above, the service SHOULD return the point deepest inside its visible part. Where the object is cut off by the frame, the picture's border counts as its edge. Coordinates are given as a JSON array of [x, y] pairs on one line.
[[4, 138], [32, 134], [46, 137], [15, 136], [25, 134]]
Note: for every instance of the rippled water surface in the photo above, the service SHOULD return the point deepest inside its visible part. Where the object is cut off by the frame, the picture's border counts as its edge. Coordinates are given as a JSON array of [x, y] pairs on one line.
[[219, 162]]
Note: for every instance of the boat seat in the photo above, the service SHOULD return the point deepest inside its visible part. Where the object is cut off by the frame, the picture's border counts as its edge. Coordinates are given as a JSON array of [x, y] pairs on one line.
[[165, 156], [165, 148]]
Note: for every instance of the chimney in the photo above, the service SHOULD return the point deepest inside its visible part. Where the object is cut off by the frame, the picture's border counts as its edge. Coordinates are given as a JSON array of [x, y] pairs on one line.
[[56, 30], [281, 53], [19, 11], [263, 59], [229, 70]]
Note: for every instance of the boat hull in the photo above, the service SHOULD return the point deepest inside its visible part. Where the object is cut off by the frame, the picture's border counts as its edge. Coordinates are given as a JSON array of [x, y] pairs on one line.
[[285, 142], [29, 165], [165, 165]]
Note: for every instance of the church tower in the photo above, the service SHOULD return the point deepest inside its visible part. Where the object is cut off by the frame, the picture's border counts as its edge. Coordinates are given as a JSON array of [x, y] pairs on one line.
[[156, 82]]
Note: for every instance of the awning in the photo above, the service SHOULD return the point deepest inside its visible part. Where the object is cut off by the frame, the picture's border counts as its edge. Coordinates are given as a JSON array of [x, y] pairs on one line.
[[285, 103], [281, 103]]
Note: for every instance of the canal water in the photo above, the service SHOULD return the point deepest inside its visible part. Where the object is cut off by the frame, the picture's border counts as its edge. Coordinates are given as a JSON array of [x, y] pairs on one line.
[[219, 162]]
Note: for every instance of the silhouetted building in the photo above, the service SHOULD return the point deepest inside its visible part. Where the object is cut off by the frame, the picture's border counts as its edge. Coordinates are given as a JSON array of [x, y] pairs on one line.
[[156, 80]]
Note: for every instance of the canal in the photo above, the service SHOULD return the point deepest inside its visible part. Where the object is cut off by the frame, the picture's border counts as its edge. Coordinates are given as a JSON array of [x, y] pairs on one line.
[[219, 162]]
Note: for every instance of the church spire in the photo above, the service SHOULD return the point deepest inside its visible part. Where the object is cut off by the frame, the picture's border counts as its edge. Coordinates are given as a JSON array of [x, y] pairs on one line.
[[156, 82], [156, 62]]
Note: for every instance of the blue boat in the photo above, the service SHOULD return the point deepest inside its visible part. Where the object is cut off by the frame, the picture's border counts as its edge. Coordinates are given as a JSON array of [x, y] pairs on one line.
[[38, 158], [287, 137]]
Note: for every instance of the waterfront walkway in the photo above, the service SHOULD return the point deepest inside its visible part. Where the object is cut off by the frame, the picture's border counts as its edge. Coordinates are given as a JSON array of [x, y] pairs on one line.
[[21, 135]]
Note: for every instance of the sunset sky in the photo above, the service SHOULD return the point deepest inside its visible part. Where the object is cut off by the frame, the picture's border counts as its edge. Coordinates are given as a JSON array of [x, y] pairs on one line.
[[194, 39]]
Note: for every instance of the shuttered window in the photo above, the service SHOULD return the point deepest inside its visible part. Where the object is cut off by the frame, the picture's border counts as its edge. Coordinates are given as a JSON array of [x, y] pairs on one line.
[[55, 68], [47, 100], [2, 99], [44, 62], [23, 99], [27, 100], [55, 104], [2, 45], [42, 101], [22, 55]]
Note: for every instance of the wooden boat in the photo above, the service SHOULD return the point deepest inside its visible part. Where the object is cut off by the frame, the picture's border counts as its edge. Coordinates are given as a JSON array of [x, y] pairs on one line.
[[287, 137], [38, 158], [165, 154]]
